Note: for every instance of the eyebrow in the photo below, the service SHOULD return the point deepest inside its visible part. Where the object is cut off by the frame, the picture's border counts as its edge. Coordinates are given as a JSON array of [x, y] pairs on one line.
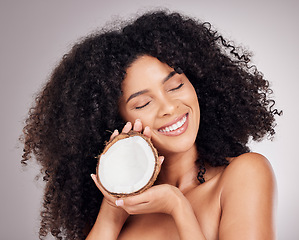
[[170, 75]]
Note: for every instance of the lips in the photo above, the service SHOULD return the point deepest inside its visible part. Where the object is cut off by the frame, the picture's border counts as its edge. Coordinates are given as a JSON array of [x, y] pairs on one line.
[[176, 128]]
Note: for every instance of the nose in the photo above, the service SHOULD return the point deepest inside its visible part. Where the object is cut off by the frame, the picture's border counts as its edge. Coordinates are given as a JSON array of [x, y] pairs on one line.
[[167, 106]]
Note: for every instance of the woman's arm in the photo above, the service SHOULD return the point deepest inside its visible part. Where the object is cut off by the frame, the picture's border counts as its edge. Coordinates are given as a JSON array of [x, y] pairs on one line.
[[248, 199], [186, 220], [167, 199], [109, 222]]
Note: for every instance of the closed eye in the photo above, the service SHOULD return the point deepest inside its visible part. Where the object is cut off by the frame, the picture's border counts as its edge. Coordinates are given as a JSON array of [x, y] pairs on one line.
[[139, 107], [176, 88]]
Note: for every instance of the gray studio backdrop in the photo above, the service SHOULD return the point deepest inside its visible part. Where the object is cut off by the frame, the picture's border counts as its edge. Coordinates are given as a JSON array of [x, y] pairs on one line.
[[35, 34]]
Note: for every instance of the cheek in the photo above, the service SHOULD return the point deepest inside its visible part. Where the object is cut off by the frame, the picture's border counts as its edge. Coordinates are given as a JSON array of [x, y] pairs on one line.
[[127, 117], [130, 116], [147, 119], [191, 99], [190, 96], [125, 114]]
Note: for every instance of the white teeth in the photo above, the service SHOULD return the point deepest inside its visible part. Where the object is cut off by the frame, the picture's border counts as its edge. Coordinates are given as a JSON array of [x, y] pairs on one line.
[[174, 126]]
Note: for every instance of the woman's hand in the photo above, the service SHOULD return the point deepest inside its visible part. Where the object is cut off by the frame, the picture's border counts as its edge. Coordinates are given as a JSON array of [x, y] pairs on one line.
[[112, 217], [138, 128], [157, 199]]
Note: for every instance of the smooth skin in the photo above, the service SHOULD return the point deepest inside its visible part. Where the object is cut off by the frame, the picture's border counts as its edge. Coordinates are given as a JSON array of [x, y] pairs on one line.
[[235, 202]]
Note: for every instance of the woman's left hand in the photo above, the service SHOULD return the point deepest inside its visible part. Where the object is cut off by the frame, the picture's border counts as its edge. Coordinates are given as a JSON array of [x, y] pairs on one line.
[[167, 199], [157, 199]]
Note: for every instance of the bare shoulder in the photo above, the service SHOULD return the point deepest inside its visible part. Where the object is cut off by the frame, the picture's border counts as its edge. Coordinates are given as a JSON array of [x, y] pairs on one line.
[[249, 165], [248, 174], [248, 193], [249, 158]]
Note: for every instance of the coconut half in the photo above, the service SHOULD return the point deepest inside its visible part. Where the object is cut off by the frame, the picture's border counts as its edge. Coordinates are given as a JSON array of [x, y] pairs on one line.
[[128, 165]]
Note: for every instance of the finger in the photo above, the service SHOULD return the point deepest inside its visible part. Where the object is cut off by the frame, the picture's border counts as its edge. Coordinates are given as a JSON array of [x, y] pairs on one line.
[[127, 127], [161, 160], [138, 199], [147, 132], [137, 125], [135, 204], [114, 134], [94, 178], [141, 208]]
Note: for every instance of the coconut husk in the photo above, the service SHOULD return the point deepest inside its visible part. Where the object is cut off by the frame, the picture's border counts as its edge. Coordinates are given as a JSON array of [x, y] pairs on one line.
[[155, 171]]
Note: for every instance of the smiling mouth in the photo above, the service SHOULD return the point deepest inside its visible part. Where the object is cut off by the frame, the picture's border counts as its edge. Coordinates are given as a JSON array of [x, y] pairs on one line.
[[174, 127]]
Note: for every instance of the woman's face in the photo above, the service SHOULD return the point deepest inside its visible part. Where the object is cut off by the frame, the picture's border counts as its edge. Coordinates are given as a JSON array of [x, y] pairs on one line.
[[163, 100]]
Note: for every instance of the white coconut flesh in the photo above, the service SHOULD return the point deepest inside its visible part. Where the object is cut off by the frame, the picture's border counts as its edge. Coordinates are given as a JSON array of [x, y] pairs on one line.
[[127, 166]]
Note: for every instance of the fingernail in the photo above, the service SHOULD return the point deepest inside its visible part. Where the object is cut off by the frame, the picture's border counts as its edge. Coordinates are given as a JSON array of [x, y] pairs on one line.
[[147, 128], [115, 131], [119, 202], [137, 120], [162, 159], [91, 175]]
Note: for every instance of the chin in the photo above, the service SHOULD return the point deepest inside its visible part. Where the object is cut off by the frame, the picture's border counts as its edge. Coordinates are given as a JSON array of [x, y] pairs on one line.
[[173, 146]]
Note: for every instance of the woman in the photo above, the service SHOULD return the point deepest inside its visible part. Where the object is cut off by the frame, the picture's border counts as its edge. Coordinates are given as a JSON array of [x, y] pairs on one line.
[[198, 99]]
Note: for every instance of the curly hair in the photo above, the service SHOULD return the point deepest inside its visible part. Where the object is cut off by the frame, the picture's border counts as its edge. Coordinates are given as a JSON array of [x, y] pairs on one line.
[[73, 114]]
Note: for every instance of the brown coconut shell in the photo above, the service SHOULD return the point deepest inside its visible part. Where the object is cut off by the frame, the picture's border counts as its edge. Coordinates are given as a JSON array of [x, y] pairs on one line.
[[154, 174]]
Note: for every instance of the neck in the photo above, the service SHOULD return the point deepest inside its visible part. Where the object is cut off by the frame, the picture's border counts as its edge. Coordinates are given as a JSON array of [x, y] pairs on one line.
[[180, 170]]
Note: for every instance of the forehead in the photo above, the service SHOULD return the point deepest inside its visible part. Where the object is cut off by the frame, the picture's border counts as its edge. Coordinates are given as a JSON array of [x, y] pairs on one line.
[[145, 71]]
